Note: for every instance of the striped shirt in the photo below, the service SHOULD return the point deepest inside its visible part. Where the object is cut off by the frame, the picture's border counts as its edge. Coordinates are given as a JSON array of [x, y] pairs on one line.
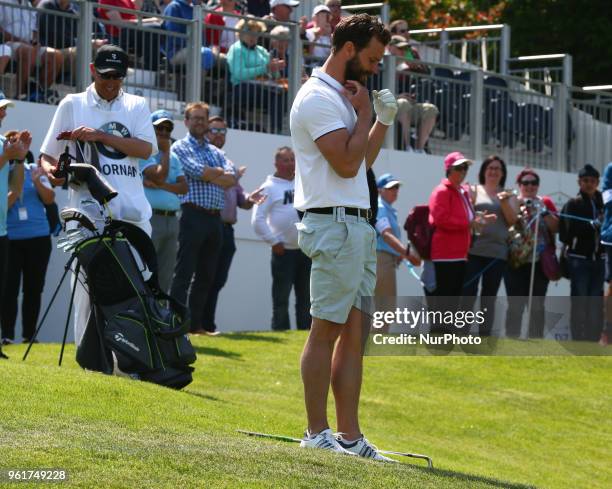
[[194, 157]]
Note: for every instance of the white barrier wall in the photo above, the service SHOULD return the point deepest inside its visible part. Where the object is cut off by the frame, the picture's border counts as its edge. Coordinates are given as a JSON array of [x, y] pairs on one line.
[[245, 303]]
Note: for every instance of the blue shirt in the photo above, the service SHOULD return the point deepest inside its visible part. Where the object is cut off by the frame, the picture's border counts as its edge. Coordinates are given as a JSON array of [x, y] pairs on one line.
[[4, 173], [157, 197], [31, 222], [181, 9], [194, 157], [606, 228], [386, 211]]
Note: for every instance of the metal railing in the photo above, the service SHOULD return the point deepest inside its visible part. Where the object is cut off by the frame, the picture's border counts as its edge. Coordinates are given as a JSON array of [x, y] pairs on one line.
[[489, 50], [543, 124], [551, 68], [591, 116], [248, 93], [481, 113], [30, 66]]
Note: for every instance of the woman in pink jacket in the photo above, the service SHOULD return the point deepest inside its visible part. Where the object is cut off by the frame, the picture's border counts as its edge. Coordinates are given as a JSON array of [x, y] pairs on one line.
[[451, 214]]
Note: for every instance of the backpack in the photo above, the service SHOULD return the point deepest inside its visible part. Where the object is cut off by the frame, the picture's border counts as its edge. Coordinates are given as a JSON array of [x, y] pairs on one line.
[[419, 230]]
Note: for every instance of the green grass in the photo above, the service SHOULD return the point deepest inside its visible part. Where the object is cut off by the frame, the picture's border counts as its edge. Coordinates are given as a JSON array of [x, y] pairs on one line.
[[485, 421]]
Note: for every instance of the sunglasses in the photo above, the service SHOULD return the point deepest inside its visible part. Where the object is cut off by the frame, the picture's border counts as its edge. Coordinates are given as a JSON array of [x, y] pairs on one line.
[[111, 76], [463, 167], [525, 183], [161, 128], [217, 130]]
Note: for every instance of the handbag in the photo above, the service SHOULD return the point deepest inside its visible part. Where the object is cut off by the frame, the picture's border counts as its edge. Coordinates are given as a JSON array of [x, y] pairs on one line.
[[520, 245], [550, 263]]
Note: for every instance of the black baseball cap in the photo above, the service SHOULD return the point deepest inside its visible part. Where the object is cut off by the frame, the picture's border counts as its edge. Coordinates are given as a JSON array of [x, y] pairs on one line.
[[111, 58]]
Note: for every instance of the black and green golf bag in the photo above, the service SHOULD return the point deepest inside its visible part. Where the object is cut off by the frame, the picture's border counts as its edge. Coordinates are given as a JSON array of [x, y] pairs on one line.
[[144, 328]]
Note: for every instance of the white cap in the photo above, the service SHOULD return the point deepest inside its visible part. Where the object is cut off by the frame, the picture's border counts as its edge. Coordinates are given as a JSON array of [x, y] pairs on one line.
[[289, 3], [320, 8], [4, 102]]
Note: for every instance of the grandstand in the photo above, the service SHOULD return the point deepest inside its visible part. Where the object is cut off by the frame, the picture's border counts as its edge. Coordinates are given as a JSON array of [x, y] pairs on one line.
[[488, 102]]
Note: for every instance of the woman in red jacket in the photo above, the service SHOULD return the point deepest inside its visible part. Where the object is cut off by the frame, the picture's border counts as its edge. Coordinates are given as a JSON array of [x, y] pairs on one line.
[[451, 214]]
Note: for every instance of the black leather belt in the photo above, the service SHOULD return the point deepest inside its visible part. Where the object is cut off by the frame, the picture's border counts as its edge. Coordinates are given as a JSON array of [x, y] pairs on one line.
[[349, 211], [159, 212], [211, 212]]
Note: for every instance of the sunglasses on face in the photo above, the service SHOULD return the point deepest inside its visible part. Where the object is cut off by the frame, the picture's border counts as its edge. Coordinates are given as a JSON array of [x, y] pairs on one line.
[[218, 130], [533, 183], [163, 129], [461, 167], [111, 76]]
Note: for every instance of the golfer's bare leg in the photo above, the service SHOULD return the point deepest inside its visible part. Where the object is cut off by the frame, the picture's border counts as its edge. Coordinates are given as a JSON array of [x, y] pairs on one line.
[[316, 371], [347, 364]]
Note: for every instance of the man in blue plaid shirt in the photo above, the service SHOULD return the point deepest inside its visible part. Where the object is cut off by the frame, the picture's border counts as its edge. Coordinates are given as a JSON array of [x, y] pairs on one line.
[[200, 227]]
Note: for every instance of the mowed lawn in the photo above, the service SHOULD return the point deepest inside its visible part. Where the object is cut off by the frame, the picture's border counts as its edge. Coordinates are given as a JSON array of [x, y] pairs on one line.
[[485, 421]]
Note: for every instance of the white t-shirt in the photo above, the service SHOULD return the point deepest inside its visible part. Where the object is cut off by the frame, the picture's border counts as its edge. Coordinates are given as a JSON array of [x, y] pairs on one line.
[[127, 116], [319, 51], [319, 108], [19, 23], [274, 219], [228, 37]]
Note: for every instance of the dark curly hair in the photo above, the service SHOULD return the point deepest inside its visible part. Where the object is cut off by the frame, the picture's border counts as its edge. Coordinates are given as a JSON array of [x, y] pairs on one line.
[[359, 29]]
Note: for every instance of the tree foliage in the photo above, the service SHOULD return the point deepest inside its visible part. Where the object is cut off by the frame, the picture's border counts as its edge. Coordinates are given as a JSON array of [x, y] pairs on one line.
[[578, 27]]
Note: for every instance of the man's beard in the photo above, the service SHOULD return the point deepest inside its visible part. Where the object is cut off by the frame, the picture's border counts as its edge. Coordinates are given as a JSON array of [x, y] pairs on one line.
[[354, 71]]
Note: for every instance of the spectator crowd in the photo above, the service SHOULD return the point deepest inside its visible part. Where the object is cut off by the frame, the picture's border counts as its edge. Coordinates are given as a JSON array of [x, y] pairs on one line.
[[482, 235], [246, 43]]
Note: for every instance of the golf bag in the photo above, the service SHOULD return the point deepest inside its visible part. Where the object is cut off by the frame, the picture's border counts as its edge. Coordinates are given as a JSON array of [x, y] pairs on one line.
[[144, 328]]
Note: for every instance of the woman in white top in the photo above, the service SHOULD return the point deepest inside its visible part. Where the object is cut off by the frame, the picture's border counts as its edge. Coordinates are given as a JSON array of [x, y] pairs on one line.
[[320, 34]]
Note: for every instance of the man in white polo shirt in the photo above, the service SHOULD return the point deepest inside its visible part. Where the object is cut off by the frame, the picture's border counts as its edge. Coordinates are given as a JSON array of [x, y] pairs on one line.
[[111, 130], [335, 142]]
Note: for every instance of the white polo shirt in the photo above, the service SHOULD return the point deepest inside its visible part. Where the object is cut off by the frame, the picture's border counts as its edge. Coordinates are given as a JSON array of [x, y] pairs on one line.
[[127, 116], [319, 108]]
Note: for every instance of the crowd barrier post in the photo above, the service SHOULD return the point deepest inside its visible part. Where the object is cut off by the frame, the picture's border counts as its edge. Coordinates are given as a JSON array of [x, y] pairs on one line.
[[504, 62], [443, 49], [476, 114], [84, 50], [560, 127], [389, 81], [194, 56], [296, 64]]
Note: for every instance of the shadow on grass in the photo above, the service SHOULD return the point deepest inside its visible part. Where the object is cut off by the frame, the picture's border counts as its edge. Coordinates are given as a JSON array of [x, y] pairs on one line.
[[265, 337], [472, 478], [203, 396], [216, 352]]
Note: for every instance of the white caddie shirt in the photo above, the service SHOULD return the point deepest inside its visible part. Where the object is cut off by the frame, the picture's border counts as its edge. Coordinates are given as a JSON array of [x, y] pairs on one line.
[[127, 116], [319, 108]]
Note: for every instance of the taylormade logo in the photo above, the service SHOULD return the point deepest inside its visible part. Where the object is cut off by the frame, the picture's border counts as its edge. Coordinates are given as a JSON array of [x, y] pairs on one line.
[[121, 339]]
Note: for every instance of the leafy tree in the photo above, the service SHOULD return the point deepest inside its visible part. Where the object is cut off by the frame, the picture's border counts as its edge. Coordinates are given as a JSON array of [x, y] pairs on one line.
[[578, 27]]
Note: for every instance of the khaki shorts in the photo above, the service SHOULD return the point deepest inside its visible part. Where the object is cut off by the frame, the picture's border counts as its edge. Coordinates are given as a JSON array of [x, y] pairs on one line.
[[416, 111], [343, 258]]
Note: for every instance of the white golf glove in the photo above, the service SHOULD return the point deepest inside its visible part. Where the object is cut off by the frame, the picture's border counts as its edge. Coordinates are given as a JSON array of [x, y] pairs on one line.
[[385, 106]]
